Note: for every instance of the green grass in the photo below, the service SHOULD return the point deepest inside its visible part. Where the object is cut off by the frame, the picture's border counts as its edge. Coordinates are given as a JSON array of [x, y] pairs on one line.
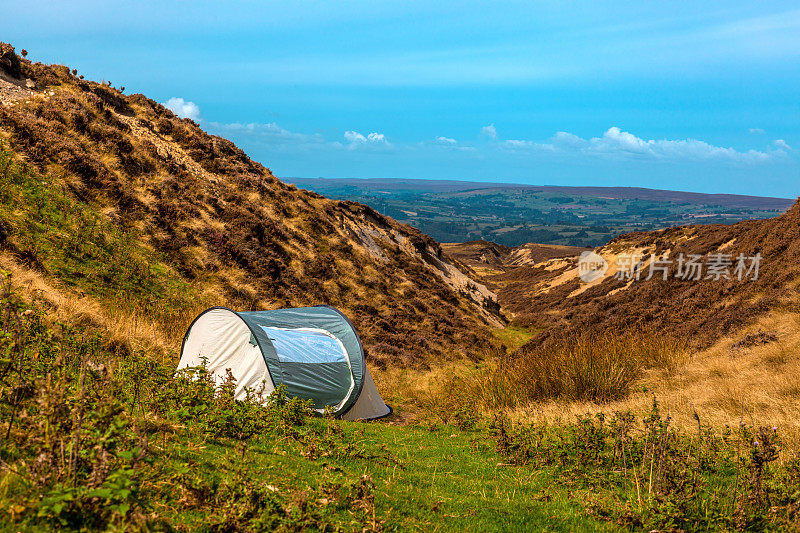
[[444, 480], [514, 337], [646, 475], [94, 437]]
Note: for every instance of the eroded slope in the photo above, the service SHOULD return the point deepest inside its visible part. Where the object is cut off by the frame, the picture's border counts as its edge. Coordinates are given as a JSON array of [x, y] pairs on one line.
[[550, 294]]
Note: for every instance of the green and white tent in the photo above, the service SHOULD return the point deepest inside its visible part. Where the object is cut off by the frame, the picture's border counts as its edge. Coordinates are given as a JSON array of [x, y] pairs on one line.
[[314, 351]]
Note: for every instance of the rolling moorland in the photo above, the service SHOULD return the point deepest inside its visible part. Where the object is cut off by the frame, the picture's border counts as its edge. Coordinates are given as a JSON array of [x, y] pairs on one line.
[[120, 221], [513, 215]]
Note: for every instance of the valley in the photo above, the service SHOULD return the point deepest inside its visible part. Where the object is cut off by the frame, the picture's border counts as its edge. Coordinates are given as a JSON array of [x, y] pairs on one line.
[[524, 397]]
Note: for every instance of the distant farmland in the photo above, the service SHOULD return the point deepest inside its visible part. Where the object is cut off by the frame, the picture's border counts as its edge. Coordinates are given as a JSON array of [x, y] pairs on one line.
[[512, 214]]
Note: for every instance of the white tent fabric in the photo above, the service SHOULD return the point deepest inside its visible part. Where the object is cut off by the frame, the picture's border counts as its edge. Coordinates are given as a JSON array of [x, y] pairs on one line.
[[369, 405], [223, 339]]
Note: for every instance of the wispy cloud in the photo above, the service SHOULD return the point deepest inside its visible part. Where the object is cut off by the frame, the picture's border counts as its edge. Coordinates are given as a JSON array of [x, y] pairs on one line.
[[575, 49], [782, 145], [274, 137], [612, 154], [356, 139], [760, 28], [271, 136], [615, 143]]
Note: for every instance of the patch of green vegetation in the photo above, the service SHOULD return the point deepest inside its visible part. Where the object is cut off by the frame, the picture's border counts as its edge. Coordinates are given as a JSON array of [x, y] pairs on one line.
[[406, 478], [645, 475], [44, 226], [514, 337], [93, 437]]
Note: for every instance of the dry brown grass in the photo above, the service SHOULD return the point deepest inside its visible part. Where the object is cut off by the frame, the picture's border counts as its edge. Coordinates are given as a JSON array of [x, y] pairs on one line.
[[224, 225], [759, 385], [589, 367], [597, 368], [552, 297], [121, 324]]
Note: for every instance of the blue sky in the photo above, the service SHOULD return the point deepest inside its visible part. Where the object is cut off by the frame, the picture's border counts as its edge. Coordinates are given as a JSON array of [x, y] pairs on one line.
[[701, 96]]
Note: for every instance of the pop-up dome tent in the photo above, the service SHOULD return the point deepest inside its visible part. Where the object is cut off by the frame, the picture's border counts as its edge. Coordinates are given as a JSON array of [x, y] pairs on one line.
[[314, 351]]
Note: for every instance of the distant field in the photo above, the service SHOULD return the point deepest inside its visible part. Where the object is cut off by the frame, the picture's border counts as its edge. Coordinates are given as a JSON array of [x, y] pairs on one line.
[[509, 214]]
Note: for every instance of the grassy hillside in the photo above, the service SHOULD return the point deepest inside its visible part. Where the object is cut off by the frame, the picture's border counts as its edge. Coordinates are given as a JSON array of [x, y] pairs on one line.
[[105, 188], [703, 310], [119, 222], [97, 437], [721, 349]]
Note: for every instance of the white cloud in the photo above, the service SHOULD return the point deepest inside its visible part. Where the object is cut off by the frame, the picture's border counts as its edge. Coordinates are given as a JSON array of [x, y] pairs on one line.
[[614, 145], [183, 109], [372, 139], [515, 143], [560, 142], [781, 144], [354, 137], [562, 138], [270, 136], [278, 138], [489, 131], [618, 144], [269, 133], [756, 131]]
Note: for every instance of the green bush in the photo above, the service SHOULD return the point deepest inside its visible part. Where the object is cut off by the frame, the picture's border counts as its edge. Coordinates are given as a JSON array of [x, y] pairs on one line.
[[47, 228], [645, 474]]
